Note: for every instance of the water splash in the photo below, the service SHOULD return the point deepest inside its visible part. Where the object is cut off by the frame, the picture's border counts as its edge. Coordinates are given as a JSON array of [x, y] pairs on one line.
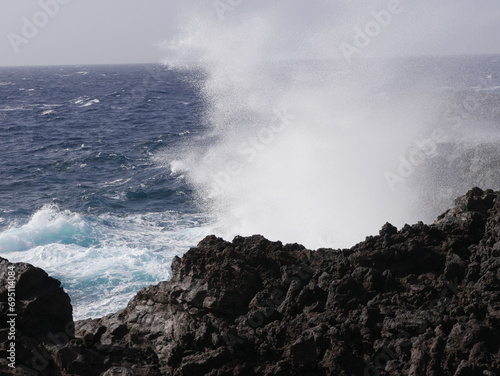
[[103, 260], [302, 137]]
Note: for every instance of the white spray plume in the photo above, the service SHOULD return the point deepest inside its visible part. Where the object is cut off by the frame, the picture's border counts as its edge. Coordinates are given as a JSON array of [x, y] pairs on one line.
[[301, 133]]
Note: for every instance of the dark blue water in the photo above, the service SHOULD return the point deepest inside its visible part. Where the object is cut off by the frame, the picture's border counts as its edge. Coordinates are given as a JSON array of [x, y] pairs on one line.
[[81, 192], [68, 132]]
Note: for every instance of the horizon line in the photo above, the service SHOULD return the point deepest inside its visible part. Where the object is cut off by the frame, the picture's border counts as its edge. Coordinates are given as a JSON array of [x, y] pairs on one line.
[[163, 62]]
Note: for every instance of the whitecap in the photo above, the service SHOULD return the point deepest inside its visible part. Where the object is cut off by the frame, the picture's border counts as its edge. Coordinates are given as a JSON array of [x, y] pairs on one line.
[[47, 226], [103, 260], [9, 108], [80, 100], [52, 105], [90, 103]]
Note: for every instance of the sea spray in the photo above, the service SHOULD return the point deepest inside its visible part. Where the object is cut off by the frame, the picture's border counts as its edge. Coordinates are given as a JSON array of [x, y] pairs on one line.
[[319, 177]]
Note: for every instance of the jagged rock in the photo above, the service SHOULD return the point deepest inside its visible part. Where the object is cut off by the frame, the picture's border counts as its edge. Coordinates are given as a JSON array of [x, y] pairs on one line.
[[424, 300], [44, 316]]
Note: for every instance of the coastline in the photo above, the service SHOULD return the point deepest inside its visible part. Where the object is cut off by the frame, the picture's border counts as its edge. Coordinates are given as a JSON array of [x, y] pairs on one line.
[[419, 300]]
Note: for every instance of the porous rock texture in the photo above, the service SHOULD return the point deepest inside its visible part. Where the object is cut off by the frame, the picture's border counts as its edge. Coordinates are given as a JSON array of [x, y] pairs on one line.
[[424, 300]]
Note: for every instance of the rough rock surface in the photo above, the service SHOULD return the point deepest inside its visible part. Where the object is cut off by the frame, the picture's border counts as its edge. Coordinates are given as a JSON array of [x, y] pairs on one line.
[[424, 300], [44, 316]]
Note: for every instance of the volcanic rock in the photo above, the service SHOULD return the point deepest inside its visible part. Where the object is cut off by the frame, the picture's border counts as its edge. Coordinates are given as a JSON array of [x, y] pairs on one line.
[[422, 300]]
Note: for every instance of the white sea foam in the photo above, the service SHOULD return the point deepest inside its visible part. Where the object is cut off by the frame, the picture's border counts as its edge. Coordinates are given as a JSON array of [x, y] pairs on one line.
[[102, 261], [52, 105], [80, 100], [91, 102], [15, 108], [86, 101]]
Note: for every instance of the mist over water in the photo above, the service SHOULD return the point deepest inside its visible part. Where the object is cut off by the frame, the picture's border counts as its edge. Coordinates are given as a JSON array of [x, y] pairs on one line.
[[307, 144]]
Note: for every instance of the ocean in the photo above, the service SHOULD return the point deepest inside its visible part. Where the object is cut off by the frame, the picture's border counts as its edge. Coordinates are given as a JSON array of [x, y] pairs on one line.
[[108, 172], [81, 193]]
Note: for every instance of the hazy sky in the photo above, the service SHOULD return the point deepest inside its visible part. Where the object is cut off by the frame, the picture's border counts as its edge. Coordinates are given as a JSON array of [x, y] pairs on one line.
[[46, 32]]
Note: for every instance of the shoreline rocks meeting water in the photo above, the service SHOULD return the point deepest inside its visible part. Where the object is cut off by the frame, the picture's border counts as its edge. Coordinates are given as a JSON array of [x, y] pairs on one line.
[[422, 300]]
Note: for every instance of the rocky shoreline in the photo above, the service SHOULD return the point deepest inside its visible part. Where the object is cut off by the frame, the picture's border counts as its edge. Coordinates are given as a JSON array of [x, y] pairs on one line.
[[424, 300]]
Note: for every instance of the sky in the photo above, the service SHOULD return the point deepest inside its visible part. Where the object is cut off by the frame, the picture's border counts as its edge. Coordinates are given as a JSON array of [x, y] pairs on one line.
[[67, 32]]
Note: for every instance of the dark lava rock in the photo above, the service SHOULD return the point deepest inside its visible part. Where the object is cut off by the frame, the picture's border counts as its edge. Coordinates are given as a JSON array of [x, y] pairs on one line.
[[424, 300], [42, 316]]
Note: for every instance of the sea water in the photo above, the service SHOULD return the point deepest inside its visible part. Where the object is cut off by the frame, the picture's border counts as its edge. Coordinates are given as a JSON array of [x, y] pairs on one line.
[[81, 193], [108, 172]]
